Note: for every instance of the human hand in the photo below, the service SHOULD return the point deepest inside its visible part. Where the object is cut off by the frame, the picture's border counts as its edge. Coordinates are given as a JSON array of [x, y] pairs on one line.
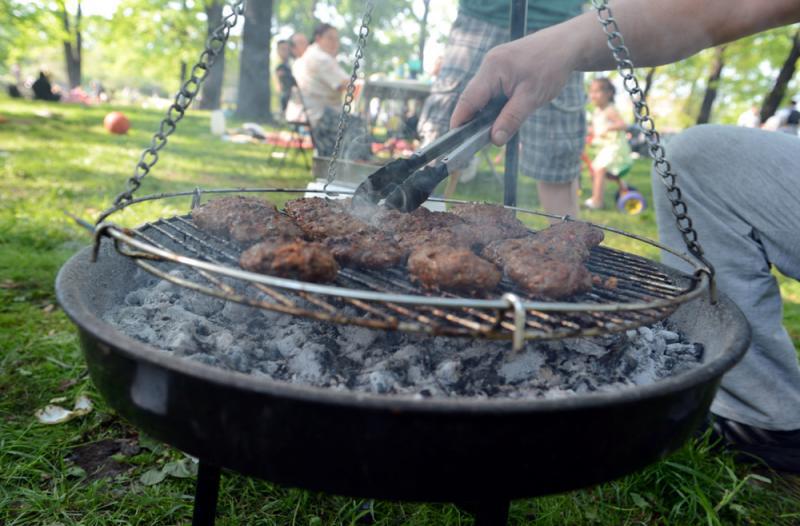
[[530, 71]]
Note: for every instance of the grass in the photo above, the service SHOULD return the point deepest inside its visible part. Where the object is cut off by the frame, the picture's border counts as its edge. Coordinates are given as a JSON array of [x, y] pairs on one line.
[[48, 474]]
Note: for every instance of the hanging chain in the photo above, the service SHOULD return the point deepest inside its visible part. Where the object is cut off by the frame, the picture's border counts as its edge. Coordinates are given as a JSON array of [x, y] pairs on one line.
[[214, 45], [642, 112], [363, 33]]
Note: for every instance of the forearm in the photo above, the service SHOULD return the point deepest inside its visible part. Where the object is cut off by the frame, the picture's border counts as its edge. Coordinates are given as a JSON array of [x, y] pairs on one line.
[[662, 31]]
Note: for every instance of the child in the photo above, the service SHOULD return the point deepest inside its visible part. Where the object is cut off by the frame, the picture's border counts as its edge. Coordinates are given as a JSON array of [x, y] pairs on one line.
[[612, 155]]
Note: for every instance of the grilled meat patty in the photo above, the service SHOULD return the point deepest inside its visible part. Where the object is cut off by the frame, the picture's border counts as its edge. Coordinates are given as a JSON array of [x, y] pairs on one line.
[[491, 222], [352, 241], [373, 251], [452, 268], [246, 220], [550, 263], [547, 277], [295, 259]]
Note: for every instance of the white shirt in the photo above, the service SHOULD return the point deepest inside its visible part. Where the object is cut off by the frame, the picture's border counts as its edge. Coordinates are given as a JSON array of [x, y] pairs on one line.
[[318, 77]]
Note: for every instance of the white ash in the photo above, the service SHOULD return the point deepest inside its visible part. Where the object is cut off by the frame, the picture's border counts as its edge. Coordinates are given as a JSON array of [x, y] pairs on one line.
[[302, 351]]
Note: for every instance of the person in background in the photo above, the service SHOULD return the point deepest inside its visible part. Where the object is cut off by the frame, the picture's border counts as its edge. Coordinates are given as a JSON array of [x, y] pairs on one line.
[[740, 185], [317, 96], [283, 74], [552, 139], [612, 154], [298, 43], [320, 79], [750, 118], [789, 119], [43, 90]]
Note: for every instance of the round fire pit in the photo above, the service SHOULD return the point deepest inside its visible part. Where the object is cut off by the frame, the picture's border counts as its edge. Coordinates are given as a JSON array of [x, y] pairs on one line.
[[477, 452]]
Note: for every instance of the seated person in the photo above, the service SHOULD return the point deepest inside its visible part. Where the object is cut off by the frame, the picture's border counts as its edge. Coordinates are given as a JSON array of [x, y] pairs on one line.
[[43, 90], [317, 99]]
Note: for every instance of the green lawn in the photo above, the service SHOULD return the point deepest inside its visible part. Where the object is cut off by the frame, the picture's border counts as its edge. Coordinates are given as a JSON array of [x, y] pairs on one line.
[[49, 474]]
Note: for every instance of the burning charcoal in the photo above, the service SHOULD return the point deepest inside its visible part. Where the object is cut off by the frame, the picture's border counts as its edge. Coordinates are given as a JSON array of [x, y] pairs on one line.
[[306, 366], [236, 312], [587, 346], [448, 372], [647, 334], [135, 298], [381, 381], [283, 348], [670, 336], [521, 365], [203, 305]]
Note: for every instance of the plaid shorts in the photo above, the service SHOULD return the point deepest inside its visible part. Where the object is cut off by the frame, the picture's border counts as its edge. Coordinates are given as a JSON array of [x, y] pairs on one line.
[[552, 138]]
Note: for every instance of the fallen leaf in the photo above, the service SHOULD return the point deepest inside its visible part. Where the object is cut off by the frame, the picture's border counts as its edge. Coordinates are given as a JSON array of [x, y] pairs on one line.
[[55, 414], [181, 469], [50, 307], [152, 477]]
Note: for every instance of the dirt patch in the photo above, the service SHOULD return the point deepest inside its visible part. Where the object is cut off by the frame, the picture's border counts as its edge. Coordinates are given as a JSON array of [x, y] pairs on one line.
[[98, 460]]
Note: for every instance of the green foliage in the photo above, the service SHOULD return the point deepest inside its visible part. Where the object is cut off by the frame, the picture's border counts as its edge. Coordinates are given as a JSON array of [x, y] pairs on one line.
[[394, 26], [751, 66]]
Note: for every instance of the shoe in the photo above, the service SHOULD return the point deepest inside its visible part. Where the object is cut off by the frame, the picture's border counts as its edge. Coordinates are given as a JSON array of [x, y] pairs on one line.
[[779, 450], [590, 205]]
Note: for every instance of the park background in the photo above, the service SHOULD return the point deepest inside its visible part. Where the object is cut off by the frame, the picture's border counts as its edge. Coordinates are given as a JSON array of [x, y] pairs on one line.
[[97, 469]]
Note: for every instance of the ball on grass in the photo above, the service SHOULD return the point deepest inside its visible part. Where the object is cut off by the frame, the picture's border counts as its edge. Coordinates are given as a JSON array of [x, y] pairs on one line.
[[116, 122]]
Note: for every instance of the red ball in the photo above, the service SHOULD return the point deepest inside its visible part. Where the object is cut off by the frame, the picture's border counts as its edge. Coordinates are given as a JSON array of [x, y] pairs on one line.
[[116, 122]]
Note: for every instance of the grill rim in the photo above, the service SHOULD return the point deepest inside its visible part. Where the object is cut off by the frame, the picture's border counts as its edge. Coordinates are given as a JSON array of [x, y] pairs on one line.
[[75, 306]]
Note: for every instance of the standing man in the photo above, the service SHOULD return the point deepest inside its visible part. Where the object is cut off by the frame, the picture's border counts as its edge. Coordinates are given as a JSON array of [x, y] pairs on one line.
[[552, 138]]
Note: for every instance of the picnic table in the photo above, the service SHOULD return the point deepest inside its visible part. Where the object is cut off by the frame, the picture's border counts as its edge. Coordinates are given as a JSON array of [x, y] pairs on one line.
[[406, 91]]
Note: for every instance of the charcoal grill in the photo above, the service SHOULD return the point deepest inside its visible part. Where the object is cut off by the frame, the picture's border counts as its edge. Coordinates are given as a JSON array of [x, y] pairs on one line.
[[478, 453]]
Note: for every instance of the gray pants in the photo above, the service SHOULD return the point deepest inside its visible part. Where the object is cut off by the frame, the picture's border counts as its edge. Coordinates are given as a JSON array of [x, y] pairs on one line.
[[742, 189]]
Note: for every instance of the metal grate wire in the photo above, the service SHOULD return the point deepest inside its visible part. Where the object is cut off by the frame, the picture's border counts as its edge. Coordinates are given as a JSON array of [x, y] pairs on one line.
[[638, 281]]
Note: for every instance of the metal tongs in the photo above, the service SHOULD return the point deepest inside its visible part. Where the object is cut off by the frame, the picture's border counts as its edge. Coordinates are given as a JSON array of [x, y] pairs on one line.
[[404, 184]]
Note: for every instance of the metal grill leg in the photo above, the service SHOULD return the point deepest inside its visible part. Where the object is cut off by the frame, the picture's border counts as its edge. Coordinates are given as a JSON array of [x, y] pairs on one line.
[[205, 494], [489, 512]]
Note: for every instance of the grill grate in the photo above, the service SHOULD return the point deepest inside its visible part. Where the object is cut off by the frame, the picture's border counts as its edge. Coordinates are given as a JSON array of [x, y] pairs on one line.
[[380, 299]]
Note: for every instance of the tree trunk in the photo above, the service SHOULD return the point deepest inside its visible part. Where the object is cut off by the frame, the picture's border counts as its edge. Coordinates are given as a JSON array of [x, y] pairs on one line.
[[72, 50], [211, 97], [423, 33], [253, 101], [713, 83], [648, 81], [778, 91]]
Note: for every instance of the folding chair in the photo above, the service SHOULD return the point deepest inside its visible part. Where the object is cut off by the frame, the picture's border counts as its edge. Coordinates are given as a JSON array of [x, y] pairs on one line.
[[296, 144]]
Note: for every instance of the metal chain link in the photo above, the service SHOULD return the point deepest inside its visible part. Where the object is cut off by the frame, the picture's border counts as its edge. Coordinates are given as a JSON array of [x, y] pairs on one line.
[[363, 33], [642, 112], [183, 99]]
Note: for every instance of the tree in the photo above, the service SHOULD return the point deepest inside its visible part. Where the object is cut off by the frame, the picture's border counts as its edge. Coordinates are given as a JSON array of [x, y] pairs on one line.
[[72, 42], [212, 88], [253, 100], [778, 91], [712, 85]]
